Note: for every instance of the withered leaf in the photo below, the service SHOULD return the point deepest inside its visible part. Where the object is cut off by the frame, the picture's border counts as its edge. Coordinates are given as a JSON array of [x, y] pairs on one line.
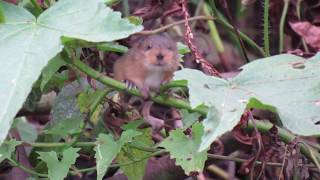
[[309, 32]]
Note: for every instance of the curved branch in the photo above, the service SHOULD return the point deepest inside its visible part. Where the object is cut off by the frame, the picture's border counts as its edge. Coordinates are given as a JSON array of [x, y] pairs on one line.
[[181, 104], [161, 99], [155, 31]]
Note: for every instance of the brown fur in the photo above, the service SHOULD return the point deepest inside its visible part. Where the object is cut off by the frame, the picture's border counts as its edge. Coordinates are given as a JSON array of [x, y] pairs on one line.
[[143, 67], [141, 62]]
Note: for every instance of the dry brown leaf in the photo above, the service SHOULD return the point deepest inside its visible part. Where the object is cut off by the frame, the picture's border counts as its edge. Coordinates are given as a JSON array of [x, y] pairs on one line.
[[309, 32]]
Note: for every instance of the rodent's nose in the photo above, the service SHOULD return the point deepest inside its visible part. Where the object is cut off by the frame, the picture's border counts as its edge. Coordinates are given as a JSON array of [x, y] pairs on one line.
[[160, 57]]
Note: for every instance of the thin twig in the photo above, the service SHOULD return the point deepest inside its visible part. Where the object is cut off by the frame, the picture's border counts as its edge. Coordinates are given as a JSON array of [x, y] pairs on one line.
[[283, 162], [218, 171], [163, 28], [28, 170]]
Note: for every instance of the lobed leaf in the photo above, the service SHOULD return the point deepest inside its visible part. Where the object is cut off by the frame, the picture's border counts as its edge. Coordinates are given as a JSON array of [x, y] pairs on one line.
[[184, 149], [286, 84], [27, 44], [107, 149], [58, 169], [137, 158]]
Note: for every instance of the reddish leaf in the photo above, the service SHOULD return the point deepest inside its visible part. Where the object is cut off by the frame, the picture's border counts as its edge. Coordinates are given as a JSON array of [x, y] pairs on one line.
[[309, 32], [239, 134]]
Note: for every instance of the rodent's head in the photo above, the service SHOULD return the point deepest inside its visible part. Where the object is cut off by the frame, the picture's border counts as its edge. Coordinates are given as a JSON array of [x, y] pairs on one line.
[[158, 52]]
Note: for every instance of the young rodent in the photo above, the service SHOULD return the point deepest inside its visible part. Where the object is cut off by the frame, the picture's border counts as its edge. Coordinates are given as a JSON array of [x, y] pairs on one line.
[[150, 63]]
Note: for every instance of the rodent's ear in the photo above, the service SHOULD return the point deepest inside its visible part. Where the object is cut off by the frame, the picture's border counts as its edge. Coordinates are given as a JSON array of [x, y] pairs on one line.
[[164, 34], [139, 41]]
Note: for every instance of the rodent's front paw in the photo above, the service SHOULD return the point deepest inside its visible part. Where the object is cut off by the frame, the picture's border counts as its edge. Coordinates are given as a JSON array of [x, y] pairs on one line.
[[130, 84]]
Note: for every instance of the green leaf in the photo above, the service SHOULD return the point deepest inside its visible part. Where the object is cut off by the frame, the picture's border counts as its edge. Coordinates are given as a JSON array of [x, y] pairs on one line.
[[113, 47], [137, 158], [104, 46], [184, 149], [65, 127], [182, 48], [58, 169], [133, 124], [28, 43], [33, 99], [2, 18], [85, 100], [135, 20], [27, 132], [189, 118], [66, 104], [6, 149], [107, 149], [285, 83], [57, 81], [112, 2], [51, 68], [76, 43]]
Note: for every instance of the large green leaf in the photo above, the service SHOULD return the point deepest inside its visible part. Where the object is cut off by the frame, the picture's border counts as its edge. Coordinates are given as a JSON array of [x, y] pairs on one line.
[[135, 160], [184, 149], [58, 169], [286, 84], [107, 149], [27, 44]]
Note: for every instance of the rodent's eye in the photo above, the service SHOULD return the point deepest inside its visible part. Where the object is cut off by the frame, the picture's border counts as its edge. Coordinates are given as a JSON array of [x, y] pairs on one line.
[[148, 47], [170, 48]]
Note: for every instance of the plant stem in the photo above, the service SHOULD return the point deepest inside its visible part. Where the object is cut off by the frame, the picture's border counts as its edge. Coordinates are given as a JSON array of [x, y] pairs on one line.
[[261, 126], [98, 100], [298, 9], [163, 28], [266, 27], [197, 12], [281, 27], [213, 31], [47, 2], [180, 104], [125, 6], [112, 2], [2, 17], [38, 9], [22, 167], [58, 144], [286, 137], [172, 102], [248, 40], [311, 151]]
